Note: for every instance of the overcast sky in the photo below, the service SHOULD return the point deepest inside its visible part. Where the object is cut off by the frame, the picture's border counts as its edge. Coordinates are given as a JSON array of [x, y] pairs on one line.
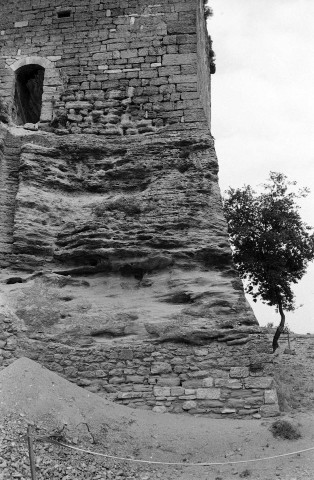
[[263, 108]]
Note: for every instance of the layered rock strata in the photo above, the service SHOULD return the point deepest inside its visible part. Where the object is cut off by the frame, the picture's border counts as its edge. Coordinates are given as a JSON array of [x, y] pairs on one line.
[[146, 211]]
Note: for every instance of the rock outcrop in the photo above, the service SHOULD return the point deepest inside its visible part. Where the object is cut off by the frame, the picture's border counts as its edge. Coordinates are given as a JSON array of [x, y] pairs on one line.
[[146, 215]]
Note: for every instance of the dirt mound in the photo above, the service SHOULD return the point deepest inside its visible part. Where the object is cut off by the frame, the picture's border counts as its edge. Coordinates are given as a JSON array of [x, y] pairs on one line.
[[54, 404]]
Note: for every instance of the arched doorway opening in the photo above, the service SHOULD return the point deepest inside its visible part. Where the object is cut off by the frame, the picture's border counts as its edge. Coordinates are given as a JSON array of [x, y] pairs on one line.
[[29, 83]]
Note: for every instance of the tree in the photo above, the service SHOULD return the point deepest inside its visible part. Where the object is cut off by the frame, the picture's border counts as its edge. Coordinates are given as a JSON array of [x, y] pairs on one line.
[[271, 245]]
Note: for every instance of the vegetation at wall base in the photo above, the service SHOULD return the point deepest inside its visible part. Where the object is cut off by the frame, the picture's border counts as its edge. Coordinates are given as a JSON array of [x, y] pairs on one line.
[[285, 430]]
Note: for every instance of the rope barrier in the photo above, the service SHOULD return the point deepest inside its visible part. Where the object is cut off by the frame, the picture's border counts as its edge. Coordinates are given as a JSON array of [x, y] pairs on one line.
[[181, 464]]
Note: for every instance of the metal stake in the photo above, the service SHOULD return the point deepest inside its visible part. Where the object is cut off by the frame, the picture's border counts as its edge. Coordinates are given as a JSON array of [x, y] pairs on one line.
[[31, 452]]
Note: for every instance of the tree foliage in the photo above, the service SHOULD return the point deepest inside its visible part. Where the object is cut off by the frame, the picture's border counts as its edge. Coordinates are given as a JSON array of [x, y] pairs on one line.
[[271, 244]]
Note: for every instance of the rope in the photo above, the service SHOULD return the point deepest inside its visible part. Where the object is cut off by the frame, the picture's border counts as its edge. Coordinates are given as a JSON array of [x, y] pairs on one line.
[[206, 464]]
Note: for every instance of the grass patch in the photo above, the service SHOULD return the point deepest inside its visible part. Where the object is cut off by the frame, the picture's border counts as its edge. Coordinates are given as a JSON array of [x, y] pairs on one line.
[[285, 430]]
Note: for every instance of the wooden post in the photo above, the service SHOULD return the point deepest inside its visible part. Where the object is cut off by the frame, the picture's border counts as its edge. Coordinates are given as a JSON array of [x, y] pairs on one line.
[[31, 452]]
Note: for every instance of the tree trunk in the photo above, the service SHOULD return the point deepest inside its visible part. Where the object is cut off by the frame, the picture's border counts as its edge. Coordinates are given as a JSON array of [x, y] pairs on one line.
[[281, 326]]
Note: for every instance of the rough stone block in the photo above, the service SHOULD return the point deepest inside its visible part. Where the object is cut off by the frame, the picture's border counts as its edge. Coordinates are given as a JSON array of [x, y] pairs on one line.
[[187, 48], [173, 49], [248, 411], [226, 411], [177, 361], [127, 395], [166, 71], [183, 79], [211, 403], [115, 380], [168, 381], [126, 354], [189, 95], [135, 378], [162, 391], [199, 374], [208, 382], [271, 397], [187, 397], [83, 382], [194, 115], [234, 384], [201, 352], [208, 393], [177, 391], [100, 373], [258, 382], [235, 403], [189, 405], [148, 74], [179, 59], [116, 372], [239, 372], [75, 118], [128, 53], [160, 367], [24, 23], [160, 409], [196, 383], [78, 105], [181, 27], [189, 391], [187, 69]]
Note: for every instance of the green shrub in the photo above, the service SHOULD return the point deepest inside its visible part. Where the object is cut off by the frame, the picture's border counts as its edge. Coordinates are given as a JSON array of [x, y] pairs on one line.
[[285, 430]]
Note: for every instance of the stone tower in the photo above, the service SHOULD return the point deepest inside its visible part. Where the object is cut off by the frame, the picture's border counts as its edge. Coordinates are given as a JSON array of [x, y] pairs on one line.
[[109, 191], [146, 63]]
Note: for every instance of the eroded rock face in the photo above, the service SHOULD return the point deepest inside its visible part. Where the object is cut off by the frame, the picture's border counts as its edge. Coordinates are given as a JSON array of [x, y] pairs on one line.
[[141, 221], [140, 203]]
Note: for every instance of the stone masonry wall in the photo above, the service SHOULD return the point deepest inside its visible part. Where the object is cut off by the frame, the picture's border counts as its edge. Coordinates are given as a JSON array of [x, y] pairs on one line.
[[126, 67], [10, 330], [215, 380], [203, 62]]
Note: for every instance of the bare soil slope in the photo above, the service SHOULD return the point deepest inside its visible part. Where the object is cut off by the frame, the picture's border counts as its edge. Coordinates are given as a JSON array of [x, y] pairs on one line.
[[30, 393]]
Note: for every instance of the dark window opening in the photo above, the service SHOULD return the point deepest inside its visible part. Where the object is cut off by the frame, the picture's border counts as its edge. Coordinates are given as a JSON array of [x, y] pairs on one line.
[[64, 13], [29, 84]]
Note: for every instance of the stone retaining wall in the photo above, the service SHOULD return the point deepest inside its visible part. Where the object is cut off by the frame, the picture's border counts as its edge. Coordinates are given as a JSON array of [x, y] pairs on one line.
[[216, 380], [9, 334]]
